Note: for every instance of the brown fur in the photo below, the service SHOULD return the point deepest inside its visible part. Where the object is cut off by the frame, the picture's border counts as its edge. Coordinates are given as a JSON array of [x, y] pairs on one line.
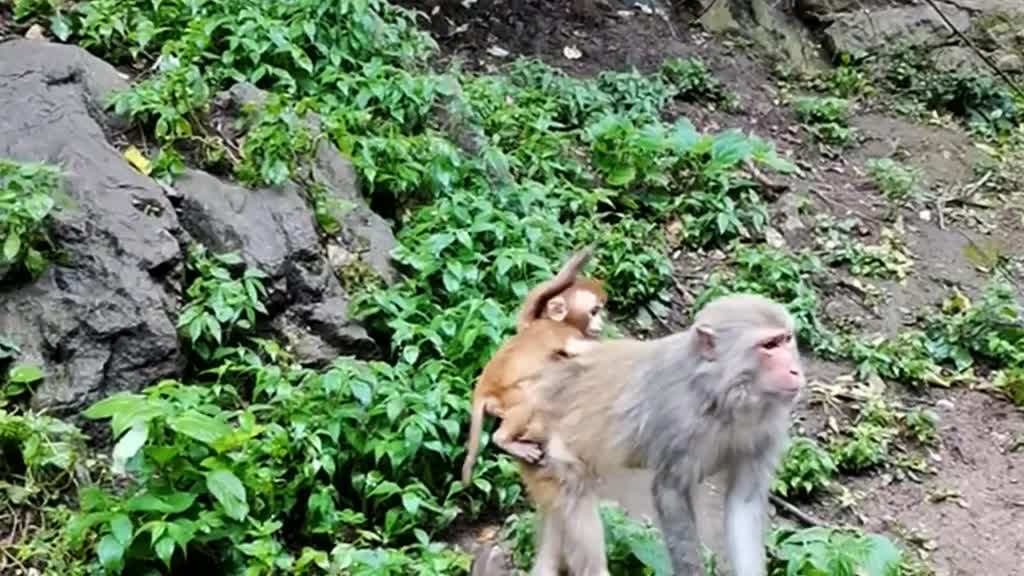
[[500, 389]]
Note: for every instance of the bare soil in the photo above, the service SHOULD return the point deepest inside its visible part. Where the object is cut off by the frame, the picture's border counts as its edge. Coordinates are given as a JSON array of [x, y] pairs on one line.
[[967, 516]]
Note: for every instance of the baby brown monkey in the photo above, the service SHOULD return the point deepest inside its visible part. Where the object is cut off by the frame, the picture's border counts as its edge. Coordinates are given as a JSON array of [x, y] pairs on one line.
[[557, 319]]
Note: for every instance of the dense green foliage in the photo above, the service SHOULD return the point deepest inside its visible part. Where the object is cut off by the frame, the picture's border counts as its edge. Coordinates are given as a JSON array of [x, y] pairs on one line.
[[27, 201], [254, 465]]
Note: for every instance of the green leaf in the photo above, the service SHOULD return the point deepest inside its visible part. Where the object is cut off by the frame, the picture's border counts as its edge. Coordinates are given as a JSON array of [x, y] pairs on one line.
[[213, 327], [229, 491], [110, 553], [129, 445], [165, 550], [362, 392], [172, 503], [122, 529], [25, 374], [12, 246], [119, 403], [200, 427], [60, 28], [410, 354], [411, 502], [622, 175]]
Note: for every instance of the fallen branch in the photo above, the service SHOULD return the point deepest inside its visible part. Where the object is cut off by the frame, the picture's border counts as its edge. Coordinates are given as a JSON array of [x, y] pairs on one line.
[[795, 512]]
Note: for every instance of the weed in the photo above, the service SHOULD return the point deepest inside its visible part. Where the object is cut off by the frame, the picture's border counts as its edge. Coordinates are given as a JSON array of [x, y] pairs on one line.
[[898, 182], [864, 446], [1010, 382], [358, 277], [633, 94], [276, 141], [956, 338], [20, 381], [847, 80], [168, 102], [922, 425], [28, 194], [814, 551], [219, 305], [987, 107], [806, 469], [40, 456], [328, 209], [828, 119], [888, 258], [693, 81]]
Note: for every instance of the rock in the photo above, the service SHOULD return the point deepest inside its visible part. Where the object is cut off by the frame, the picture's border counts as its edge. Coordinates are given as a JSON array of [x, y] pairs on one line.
[[364, 233], [102, 320], [273, 230], [772, 28], [870, 31], [35, 32], [1012, 63], [822, 11]]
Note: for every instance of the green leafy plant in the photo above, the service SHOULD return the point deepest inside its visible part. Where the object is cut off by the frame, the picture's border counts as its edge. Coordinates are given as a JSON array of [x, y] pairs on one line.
[[693, 81], [276, 141], [827, 118], [40, 456], [847, 80], [826, 551], [862, 447], [899, 183], [170, 102], [27, 202], [922, 425], [634, 94], [21, 378], [219, 305], [806, 468], [838, 246]]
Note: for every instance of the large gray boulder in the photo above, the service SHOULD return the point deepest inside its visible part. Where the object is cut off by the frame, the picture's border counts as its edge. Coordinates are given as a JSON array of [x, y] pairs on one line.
[[103, 320], [272, 229]]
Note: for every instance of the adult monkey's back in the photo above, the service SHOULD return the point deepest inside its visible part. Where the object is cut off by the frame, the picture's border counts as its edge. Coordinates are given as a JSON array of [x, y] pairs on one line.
[[716, 397]]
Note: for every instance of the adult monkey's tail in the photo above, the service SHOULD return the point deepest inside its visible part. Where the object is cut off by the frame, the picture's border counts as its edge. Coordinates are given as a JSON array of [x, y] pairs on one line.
[[538, 297]]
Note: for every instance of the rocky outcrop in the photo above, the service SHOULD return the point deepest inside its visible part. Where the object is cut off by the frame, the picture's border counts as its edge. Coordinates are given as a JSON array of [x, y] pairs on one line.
[[102, 319], [995, 26]]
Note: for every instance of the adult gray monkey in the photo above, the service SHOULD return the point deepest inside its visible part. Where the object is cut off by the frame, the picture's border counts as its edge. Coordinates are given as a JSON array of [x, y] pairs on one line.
[[716, 397]]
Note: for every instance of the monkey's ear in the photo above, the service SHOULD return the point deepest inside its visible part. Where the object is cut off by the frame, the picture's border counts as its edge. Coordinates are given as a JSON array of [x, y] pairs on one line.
[[557, 309], [706, 341]]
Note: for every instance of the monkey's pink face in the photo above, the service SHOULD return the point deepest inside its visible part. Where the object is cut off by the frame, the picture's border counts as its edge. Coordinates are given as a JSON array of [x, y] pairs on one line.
[[779, 363]]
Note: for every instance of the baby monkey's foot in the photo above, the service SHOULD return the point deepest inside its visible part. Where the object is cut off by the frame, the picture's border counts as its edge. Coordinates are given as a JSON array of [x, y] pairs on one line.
[[528, 451]]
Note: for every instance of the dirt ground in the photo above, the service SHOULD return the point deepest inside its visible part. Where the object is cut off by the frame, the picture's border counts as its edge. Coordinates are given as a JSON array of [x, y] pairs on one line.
[[966, 518]]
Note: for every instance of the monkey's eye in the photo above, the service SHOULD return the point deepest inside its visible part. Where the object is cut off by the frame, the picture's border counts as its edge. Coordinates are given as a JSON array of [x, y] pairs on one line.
[[776, 341]]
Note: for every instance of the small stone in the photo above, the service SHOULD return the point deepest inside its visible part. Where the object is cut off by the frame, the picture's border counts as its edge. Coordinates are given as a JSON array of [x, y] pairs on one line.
[[35, 32], [944, 404], [1010, 63]]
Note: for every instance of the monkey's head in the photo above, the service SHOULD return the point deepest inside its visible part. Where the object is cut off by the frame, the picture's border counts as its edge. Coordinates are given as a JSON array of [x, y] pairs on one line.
[[581, 305], [750, 341]]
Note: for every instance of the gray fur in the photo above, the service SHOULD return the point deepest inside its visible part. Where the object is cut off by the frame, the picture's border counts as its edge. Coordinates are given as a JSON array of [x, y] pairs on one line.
[[683, 416]]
